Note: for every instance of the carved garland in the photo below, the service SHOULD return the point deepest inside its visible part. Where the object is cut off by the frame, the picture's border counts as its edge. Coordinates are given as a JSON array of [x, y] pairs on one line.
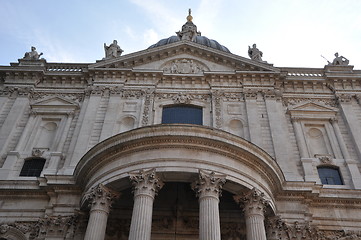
[[278, 229], [49, 226], [149, 95]]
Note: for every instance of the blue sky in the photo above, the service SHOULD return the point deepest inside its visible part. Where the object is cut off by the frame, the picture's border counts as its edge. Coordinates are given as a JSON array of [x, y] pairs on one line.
[[290, 33]]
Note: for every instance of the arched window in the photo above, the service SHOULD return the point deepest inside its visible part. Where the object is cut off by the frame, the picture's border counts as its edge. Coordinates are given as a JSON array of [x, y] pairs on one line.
[[32, 167], [182, 114], [330, 175]]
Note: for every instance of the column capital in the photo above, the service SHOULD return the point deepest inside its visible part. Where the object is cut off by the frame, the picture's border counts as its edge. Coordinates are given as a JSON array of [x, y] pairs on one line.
[[254, 202], [209, 184], [100, 198], [145, 182]]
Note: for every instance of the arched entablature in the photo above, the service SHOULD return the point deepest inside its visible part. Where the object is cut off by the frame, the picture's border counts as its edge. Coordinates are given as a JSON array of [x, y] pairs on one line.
[[178, 152]]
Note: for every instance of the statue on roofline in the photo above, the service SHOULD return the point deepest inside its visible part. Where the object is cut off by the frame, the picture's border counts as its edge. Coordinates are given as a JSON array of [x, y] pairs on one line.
[[113, 50], [339, 60], [254, 53], [33, 55]]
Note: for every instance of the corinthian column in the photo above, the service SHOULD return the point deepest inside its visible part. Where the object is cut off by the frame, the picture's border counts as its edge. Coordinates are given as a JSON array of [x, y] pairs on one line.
[[208, 188], [100, 199], [145, 185], [254, 204]]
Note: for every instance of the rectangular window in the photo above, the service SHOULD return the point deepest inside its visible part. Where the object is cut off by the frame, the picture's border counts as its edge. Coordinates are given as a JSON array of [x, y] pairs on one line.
[[329, 176], [183, 114]]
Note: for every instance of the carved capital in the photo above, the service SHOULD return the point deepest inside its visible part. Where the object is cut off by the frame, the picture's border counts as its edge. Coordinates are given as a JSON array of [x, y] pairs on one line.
[[209, 184], [145, 182], [100, 198], [254, 202]]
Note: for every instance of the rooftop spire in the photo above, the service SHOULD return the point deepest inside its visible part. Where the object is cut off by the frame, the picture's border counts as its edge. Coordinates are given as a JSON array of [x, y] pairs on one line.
[[189, 17]]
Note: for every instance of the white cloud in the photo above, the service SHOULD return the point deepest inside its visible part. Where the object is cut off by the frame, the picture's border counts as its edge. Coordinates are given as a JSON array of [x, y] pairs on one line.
[[130, 32], [53, 50], [162, 18], [150, 37]]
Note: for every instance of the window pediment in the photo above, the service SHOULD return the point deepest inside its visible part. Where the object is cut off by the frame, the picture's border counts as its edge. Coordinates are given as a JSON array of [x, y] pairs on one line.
[[311, 110], [54, 105]]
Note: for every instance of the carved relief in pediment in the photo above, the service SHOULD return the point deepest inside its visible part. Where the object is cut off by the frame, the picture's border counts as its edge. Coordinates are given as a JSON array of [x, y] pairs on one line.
[[184, 66]]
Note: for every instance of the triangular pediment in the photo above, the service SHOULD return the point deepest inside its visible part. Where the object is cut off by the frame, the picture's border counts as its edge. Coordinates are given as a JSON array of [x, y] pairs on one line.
[[311, 106], [54, 101], [312, 110], [185, 57], [54, 105]]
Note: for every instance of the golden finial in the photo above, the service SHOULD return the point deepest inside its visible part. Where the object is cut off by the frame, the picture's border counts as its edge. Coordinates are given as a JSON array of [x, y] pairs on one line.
[[189, 17]]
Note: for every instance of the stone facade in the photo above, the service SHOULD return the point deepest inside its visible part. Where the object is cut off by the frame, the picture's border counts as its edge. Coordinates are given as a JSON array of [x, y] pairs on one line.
[[113, 170]]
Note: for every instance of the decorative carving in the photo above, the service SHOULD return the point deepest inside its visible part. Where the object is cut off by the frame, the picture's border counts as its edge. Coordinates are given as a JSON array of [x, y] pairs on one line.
[[128, 93], [325, 159], [218, 108], [4, 228], [183, 97], [344, 98], [64, 226], [278, 229], [37, 152], [147, 106], [184, 66], [146, 182], [232, 97], [209, 184], [100, 197], [49, 226], [13, 92]]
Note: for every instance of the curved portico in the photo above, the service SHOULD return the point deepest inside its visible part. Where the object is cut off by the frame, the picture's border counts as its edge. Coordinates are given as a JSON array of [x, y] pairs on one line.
[[213, 160]]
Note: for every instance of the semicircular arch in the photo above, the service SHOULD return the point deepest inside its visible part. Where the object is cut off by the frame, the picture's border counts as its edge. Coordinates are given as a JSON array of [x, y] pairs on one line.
[[178, 152]]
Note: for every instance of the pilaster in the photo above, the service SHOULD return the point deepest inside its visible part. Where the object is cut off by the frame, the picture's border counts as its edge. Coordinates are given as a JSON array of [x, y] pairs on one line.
[[281, 138]]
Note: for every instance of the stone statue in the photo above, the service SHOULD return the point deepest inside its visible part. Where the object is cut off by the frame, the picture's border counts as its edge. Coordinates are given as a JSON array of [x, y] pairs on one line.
[[33, 55], [339, 60], [113, 50], [189, 30], [254, 53]]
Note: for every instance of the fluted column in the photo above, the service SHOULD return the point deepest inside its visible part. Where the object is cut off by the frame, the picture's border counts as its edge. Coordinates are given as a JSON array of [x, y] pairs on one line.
[[146, 184], [254, 204], [100, 199], [208, 188]]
